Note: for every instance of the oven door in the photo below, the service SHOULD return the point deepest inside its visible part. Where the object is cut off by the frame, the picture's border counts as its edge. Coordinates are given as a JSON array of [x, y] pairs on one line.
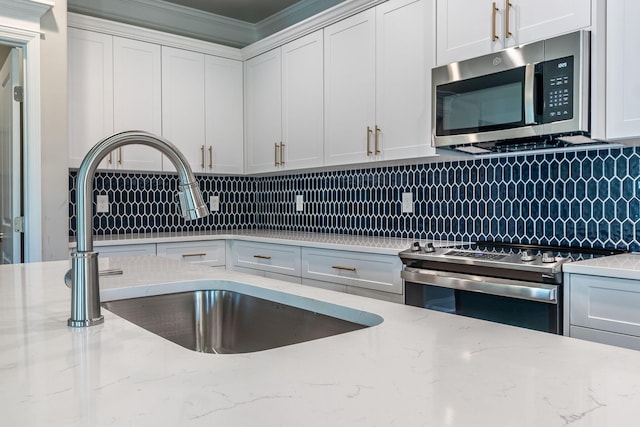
[[525, 304]]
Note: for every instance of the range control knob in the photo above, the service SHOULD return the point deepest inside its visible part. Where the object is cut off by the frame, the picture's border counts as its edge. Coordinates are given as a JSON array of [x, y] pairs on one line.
[[415, 247], [429, 248], [548, 257], [527, 256]]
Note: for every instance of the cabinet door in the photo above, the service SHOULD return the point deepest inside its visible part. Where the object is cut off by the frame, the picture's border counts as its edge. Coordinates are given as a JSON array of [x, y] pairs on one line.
[[90, 74], [137, 100], [269, 257], [204, 253], [533, 20], [465, 29], [350, 89], [403, 77], [224, 115], [264, 111], [623, 79], [183, 93], [303, 102]]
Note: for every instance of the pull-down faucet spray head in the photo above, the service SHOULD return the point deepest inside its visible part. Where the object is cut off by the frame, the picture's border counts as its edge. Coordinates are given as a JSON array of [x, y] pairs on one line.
[[85, 289]]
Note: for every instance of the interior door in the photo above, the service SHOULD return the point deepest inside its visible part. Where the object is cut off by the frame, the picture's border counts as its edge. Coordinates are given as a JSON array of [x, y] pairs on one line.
[[10, 164]]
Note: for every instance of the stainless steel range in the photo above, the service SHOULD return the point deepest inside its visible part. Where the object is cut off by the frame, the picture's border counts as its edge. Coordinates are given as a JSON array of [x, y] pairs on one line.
[[515, 284]]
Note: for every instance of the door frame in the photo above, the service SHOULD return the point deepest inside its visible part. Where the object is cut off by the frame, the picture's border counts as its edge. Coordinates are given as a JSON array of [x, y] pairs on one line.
[[29, 40]]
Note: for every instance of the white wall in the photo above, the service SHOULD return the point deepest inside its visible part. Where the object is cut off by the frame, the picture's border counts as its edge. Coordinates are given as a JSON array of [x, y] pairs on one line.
[[55, 172]]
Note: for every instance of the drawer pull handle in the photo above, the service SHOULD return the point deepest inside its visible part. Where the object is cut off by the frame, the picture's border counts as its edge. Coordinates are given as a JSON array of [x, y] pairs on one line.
[[262, 257], [339, 267], [190, 255]]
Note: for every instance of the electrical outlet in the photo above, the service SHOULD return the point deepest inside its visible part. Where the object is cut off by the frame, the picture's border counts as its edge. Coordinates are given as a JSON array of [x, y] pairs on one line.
[[299, 202], [407, 202], [102, 203], [214, 203]]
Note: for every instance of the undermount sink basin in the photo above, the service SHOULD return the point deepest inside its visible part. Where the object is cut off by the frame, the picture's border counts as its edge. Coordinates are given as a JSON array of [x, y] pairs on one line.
[[224, 321]]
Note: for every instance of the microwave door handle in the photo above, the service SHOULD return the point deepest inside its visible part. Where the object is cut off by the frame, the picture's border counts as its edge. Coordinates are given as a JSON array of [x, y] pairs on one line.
[[529, 95]]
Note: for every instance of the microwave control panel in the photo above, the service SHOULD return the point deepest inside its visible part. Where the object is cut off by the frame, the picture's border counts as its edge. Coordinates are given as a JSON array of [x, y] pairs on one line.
[[558, 90]]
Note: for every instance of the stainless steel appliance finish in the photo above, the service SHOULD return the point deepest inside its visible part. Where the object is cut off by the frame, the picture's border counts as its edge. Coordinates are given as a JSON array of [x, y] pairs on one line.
[[520, 285], [221, 321], [85, 289], [507, 101]]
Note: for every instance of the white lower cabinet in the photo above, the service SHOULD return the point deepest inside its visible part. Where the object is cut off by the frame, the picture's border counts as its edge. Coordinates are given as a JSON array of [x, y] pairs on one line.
[[126, 250], [604, 309], [359, 273], [210, 253], [264, 259]]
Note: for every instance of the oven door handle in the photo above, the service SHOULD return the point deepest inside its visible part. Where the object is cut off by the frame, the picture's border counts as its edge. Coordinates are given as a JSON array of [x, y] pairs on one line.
[[540, 292]]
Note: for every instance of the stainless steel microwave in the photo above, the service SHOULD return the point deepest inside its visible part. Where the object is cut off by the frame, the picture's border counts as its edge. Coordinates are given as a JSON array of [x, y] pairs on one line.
[[520, 98]]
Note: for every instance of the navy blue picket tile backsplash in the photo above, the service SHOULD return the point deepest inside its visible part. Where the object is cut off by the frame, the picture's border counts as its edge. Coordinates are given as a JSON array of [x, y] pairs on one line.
[[584, 198]]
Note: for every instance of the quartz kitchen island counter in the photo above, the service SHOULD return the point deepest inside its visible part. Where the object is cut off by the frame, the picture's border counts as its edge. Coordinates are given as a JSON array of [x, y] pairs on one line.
[[416, 368]]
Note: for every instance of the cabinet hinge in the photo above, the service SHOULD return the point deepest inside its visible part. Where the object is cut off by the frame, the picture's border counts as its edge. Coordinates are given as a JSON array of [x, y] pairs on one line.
[[18, 224], [18, 94]]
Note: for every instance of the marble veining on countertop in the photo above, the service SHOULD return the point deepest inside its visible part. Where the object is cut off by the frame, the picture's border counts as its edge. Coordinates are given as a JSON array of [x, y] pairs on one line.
[[418, 367], [373, 244]]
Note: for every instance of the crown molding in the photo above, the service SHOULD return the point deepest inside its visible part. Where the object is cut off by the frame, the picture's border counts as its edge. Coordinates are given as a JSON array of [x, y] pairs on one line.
[[168, 17], [297, 12], [119, 29], [23, 14], [316, 22]]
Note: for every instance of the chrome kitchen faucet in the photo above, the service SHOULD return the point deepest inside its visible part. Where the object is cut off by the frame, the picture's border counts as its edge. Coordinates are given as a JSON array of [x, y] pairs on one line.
[[85, 289]]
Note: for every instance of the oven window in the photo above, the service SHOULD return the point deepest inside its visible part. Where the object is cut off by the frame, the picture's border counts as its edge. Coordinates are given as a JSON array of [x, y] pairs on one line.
[[481, 104]]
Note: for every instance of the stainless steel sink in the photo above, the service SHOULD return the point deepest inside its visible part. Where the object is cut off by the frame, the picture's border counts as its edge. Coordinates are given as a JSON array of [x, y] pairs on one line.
[[223, 321]]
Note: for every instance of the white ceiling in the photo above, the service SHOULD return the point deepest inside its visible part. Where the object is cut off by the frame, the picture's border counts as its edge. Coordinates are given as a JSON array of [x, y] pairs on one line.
[[252, 11]]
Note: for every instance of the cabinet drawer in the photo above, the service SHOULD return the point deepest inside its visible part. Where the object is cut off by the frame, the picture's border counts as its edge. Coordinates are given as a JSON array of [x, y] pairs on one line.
[[608, 304], [605, 337], [363, 270], [282, 259], [210, 253], [126, 250]]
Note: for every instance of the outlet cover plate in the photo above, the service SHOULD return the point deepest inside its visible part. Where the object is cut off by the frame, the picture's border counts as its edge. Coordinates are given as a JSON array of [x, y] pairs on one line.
[[299, 202], [214, 203], [407, 202], [102, 204]]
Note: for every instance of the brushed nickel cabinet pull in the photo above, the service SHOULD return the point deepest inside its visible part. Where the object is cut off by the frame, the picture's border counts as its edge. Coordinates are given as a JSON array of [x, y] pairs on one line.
[[262, 257], [210, 157], [282, 154], [376, 139], [202, 157], [339, 267], [507, 6], [120, 155], [494, 10], [110, 157], [369, 152], [191, 255], [275, 154]]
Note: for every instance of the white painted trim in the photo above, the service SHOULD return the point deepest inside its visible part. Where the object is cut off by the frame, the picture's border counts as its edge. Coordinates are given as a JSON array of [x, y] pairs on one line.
[[30, 42], [316, 22], [171, 18], [24, 14], [297, 12], [99, 25]]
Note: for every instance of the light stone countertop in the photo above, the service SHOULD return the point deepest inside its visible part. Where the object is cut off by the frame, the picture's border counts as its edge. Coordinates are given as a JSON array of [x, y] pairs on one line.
[[417, 368], [624, 266], [370, 244]]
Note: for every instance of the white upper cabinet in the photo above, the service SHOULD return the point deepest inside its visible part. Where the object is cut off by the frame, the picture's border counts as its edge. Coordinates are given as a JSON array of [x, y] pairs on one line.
[[623, 78], [223, 115], [183, 117], [284, 106], [349, 73], [263, 107], [470, 28], [90, 74], [137, 96], [405, 54], [303, 102], [377, 84]]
